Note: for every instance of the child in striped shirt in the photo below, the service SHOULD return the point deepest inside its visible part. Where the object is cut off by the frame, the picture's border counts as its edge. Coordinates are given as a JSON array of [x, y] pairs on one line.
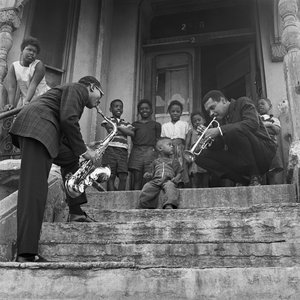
[[116, 154]]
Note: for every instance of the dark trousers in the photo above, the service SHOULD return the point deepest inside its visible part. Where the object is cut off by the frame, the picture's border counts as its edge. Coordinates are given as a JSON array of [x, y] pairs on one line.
[[240, 155], [149, 195], [33, 190]]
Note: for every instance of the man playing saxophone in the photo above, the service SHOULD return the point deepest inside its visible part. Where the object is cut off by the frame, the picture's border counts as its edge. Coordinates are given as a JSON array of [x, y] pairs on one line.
[[47, 131], [242, 149]]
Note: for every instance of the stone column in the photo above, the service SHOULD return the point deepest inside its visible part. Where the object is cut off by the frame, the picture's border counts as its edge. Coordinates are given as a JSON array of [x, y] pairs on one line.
[[10, 19], [288, 10]]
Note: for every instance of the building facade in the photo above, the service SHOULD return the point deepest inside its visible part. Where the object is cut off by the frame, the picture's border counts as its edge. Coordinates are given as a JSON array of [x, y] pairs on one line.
[[156, 49]]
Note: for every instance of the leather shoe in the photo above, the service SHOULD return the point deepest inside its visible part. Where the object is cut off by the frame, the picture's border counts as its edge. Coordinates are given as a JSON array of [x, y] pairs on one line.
[[80, 218], [33, 258]]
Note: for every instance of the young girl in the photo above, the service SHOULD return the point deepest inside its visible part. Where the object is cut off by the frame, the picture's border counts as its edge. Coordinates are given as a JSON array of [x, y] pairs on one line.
[[176, 130], [26, 76], [273, 126], [198, 176], [146, 133]]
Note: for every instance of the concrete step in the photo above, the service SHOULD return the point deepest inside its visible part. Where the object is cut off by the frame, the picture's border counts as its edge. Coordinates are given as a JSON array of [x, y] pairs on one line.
[[263, 222], [264, 235], [118, 281], [137, 215], [180, 255], [201, 198]]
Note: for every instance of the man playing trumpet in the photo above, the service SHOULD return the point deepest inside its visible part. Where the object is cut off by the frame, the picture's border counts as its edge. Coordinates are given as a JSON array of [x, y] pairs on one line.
[[242, 150]]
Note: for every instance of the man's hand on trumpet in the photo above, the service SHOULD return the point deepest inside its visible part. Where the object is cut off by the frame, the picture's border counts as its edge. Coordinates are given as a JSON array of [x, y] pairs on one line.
[[212, 133]]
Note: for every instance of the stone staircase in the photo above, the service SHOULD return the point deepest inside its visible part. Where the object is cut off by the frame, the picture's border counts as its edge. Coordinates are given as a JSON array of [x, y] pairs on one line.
[[223, 243]]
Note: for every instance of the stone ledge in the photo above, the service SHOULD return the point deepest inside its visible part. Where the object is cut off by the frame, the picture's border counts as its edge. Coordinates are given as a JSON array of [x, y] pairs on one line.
[[201, 198], [54, 211], [40, 282]]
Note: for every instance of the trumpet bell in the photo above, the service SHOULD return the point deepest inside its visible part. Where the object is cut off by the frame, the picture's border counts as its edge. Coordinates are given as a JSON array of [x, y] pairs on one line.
[[189, 156]]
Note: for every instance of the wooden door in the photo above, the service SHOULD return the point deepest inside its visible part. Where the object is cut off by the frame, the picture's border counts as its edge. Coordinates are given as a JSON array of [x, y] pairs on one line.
[[236, 74], [168, 76]]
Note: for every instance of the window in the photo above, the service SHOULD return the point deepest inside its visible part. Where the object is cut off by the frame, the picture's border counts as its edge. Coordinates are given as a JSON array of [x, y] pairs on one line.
[[52, 23], [172, 82]]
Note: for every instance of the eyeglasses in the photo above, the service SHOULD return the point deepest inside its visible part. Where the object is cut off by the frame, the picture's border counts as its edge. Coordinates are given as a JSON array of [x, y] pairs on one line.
[[100, 90]]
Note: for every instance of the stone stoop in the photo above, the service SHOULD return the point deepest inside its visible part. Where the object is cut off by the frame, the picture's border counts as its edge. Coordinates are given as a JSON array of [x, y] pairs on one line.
[[264, 235], [201, 198], [222, 243], [119, 281]]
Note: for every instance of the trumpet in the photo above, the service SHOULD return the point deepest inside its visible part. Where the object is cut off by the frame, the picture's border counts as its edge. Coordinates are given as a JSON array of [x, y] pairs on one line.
[[202, 142]]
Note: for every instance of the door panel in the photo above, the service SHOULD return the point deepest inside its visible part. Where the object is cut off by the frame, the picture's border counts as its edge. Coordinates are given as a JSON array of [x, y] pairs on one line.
[[171, 80], [236, 74]]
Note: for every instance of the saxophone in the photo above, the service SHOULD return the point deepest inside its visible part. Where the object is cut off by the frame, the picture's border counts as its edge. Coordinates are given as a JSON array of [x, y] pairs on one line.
[[87, 174]]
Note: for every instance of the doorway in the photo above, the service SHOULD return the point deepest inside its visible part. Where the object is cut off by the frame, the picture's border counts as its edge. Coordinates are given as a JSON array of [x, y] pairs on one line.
[[186, 74], [231, 68], [190, 48]]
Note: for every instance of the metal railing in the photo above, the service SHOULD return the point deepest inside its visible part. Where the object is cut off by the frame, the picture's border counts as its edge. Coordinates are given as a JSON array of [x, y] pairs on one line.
[[7, 150], [9, 113]]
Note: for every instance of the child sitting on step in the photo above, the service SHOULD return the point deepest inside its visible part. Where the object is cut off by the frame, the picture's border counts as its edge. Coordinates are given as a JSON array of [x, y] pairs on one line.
[[165, 175]]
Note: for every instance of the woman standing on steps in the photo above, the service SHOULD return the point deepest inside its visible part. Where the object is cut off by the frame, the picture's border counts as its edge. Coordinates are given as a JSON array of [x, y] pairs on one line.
[[26, 77]]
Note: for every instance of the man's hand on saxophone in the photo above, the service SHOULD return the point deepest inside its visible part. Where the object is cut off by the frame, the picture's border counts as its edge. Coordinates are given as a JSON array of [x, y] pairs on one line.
[[90, 154]]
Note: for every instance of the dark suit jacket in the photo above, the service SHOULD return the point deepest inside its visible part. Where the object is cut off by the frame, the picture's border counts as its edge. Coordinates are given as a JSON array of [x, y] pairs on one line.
[[53, 115], [242, 114]]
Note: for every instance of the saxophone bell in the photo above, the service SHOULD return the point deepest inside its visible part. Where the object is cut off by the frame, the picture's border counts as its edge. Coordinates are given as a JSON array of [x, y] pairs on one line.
[[74, 189], [87, 173]]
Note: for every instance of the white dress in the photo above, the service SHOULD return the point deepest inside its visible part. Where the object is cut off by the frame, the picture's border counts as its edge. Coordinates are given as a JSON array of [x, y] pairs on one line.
[[24, 76]]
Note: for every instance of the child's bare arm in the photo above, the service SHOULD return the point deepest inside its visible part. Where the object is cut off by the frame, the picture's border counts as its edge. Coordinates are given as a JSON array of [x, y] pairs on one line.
[[125, 130], [274, 129], [107, 126], [188, 140]]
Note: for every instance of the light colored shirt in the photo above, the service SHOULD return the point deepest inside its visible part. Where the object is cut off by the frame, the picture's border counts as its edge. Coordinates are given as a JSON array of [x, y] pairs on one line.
[[24, 76], [176, 130], [270, 118]]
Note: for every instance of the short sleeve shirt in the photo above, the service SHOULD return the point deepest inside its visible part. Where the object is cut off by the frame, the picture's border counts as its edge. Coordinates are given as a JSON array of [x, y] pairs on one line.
[[175, 130], [120, 139]]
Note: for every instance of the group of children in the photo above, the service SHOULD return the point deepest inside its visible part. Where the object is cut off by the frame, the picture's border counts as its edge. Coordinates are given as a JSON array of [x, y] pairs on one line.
[[156, 159]]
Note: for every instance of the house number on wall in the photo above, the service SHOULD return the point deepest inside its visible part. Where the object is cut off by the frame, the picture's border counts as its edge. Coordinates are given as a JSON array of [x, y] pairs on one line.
[[192, 27]]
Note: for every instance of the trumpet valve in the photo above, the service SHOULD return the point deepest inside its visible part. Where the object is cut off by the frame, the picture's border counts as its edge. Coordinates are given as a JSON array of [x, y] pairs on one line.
[[188, 155]]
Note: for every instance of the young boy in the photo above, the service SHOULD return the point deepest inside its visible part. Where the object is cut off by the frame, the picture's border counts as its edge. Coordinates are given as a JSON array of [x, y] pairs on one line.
[[272, 124], [116, 153], [165, 175], [146, 133], [176, 130], [199, 177]]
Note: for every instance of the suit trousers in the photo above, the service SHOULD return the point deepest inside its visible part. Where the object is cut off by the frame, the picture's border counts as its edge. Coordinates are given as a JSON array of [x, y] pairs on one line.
[[241, 155], [150, 192], [33, 190]]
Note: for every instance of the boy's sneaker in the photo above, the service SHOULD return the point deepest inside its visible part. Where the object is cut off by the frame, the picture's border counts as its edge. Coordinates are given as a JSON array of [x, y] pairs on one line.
[[80, 218], [255, 180], [168, 206]]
